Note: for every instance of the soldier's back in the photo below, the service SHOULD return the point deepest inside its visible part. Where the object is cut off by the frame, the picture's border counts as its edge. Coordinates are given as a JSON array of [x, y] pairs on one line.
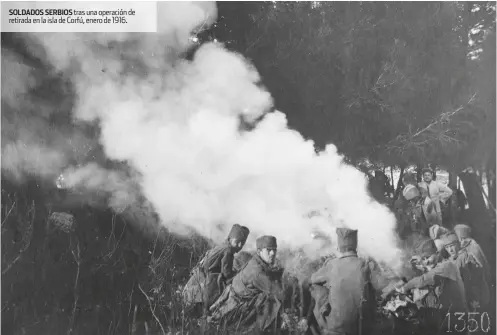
[[349, 278], [212, 260]]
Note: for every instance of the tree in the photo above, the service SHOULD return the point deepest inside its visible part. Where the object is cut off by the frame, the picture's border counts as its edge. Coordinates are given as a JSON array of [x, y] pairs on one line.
[[379, 80]]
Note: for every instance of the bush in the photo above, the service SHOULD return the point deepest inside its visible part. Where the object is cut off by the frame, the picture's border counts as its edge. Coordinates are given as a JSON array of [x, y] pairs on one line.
[[82, 270]]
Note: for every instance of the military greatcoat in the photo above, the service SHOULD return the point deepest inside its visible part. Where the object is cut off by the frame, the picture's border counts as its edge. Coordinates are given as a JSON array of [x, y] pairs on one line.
[[211, 276], [254, 298], [351, 298]]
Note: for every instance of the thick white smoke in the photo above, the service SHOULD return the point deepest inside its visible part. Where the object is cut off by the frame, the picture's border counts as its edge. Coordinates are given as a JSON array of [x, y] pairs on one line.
[[177, 125], [37, 139]]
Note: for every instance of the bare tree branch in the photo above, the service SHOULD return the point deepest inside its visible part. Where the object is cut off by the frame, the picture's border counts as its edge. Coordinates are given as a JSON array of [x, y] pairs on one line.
[[152, 309], [77, 258], [26, 239], [8, 213]]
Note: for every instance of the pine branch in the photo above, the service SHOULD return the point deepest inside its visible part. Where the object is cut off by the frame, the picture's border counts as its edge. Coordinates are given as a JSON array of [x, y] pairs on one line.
[[428, 135], [444, 117]]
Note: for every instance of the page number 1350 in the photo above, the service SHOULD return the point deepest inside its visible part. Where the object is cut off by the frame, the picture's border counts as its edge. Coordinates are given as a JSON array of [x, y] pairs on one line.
[[471, 322]]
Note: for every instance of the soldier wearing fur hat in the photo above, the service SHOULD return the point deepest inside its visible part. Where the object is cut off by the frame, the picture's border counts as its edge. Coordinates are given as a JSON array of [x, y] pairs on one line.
[[351, 303], [215, 270], [463, 232], [435, 233], [472, 273], [442, 280], [254, 298], [420, 210]]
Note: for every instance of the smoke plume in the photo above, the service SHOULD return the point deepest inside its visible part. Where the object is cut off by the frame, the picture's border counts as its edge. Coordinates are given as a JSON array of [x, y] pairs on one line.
[[176, 124]]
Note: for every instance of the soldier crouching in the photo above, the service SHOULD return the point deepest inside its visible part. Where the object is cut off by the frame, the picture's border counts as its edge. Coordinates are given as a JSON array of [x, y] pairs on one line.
[[215, 271], [444, 290], [472, 273], [254, 298]]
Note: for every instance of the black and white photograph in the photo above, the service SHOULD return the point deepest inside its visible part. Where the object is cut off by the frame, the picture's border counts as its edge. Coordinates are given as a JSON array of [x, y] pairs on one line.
[[248, 167]]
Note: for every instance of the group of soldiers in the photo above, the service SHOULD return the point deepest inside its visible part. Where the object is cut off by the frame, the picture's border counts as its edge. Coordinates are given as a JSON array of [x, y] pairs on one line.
[[452, 278], [455, 276], [246, 291]]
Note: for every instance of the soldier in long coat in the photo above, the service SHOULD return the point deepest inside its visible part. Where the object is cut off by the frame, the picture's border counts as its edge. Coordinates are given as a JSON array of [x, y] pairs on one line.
[[472, 273], [351, 302], [320, 294], [439, 193], [254, 298], [444, 280], [215, 271]]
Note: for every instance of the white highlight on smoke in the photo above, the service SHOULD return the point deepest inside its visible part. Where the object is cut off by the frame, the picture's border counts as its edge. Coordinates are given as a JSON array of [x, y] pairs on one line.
[[19, 159], [178, 127], [93, 178]]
